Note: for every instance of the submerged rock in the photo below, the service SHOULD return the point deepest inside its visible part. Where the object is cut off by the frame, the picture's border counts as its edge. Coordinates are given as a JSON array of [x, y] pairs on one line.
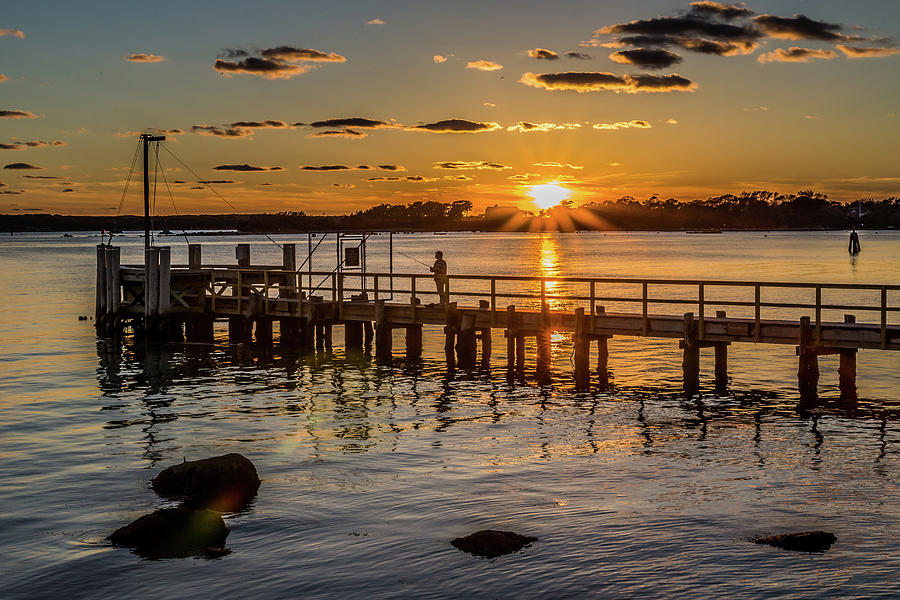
[[803, 541], [489, 543], [175, 533], [224, 483]]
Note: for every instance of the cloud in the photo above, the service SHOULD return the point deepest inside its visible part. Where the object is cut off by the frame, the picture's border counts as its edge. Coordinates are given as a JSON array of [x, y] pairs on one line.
[[484, 65], [69, 190], [357, 122], [593, 82], [153, 130], [720, 10], [408, 178], [543, 53], [32, 144], [263, 67], [258, 124], [671, 121], [376, 21], [578, 55], [348, 186], [39, 176], [622, 125], [344, 133], [795, 54], [16, 114], [349, 168], [16, 33], [647, 58], [233, 53], [857, 52], [457, 178], [469, 165], [392, 167], [456, 126], [798, 27], [524, 176], [291, 54], [3, 78], [14, 192], [245, 167], [558, 165], [326, 168], [489, 104], [228, 132], [525, 127], [21, 165], [439, 58], [144, 58]]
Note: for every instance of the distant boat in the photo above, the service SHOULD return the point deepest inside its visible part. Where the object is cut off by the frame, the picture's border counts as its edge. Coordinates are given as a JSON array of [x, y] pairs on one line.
[[704, 231]]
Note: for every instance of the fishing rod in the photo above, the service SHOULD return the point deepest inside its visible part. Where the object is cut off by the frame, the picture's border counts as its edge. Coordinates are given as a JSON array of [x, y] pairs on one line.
[[411, 258]]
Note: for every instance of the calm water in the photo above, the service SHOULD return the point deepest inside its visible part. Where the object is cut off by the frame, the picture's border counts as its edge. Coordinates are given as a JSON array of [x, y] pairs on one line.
[[369, 471]]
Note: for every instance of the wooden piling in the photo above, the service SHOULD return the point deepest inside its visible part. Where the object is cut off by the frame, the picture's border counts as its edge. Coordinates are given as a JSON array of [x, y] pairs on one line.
[[165, 296], [450, 330], [690, 364], [353, 336], [510, 341], [582, 352], [195, 256], [263, 332], [721, 368], [602, 353], [151, 289], [543, 366], [466, 346], [242, 255], [383, 334], [487, 343], [847, 368], [808, 368], [100, 305], [413, 342]]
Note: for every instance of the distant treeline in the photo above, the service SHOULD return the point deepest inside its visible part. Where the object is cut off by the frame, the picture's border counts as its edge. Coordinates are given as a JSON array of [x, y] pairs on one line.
[[748, 210]]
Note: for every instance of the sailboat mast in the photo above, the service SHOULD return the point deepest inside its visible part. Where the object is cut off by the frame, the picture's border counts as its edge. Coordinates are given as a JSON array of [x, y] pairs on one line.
[[146, 138]]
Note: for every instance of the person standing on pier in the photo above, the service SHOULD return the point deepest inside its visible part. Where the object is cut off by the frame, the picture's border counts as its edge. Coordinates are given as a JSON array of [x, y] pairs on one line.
[[440, 277]]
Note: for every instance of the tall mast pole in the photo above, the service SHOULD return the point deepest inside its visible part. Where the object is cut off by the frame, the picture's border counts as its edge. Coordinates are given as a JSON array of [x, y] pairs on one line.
[[146, 138]]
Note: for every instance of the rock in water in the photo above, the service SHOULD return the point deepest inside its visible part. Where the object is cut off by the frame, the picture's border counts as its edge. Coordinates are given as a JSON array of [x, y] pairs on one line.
[[174, 533], [803, 541], [224, 483], [489, 543]]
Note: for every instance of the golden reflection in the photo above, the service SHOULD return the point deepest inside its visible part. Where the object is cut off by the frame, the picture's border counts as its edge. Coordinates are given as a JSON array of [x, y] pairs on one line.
[[550, 267]]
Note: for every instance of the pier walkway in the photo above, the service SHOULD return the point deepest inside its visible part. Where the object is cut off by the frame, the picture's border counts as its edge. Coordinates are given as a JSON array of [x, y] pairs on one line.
[[183, 302]]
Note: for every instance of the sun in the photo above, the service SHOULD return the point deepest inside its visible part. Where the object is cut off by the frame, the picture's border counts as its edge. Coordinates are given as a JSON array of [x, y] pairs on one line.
[[550, 194]]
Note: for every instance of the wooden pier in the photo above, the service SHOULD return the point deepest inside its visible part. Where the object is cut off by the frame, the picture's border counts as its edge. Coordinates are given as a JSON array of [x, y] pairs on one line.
[[166, 302]]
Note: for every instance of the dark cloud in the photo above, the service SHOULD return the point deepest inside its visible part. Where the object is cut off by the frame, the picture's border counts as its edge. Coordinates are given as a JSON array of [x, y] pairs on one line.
[[17, 114], [469, 165], [253, 65], [392, 167], [543, 53], [798, 27], [699, 45], [32, 144], [408, 178], [21, 166], [345, 133], [217, 181], [233, 53], [456, 126], [144, 58], [258, 124], [593, 82], [363, 167], [291, 54], [13, 192], [578, 55], [68, 190], [358, 122], [526, 127], [647, 58], [691, 25], [245, 167], [795, 54], [40, 177], [326, 168], [228, 132], [720, 10], [858, 52]]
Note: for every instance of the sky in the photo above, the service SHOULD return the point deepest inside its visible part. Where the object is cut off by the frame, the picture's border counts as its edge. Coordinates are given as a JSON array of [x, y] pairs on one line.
[[336, 107]]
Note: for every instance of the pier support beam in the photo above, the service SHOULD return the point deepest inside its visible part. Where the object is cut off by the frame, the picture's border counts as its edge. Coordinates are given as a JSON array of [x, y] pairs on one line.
[[238, 331], [413, 342], [368, 334], [383, 334], [721, 369], [808, 368], [847, 368], [603, 360], [466, 346], [263, 332], [690, 364], [353, 336], [450, 330], [510, 342], [100, 306], [582, 352], [486, 347]]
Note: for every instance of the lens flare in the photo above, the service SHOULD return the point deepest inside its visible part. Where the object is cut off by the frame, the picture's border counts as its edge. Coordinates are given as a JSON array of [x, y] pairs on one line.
[[550, 194]]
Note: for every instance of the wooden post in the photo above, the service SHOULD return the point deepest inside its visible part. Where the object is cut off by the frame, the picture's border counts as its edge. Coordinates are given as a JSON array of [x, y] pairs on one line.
[[808, 369], [466, 346], [510, 341], [242, 254], [151, 289], [307, 334], [109, 315], [100, 305], [721, 349], [582, 352], [383, 334], [603, 354], [543, 356], [487, 344], [847, 368], [195, 253], [327, 330], [413, 342], [368, 334], [353, 336], [264, 331], [690, 363], [237, 330], [450, 329], [520, 356], [165, 282], [320, 336], [114, 265]]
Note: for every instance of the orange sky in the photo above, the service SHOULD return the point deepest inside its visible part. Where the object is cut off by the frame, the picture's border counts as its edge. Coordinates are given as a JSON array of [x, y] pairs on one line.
[[423, 101]]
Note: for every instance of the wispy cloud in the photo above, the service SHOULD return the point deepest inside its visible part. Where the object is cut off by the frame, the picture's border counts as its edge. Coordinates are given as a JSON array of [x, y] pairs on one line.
[[456, 126], [3, 78], [223, 132], [141, 57], [353, 134], [439, 58], [558, 165], [484, 65], [32, 144], [795, 54], [578, 55], [469, 165], [599, 81], [357, 122], [376, 21], [526, 127], [293, 54], [655, 58], [798, 27], [543, 54], [622, 125], [19, 166], [859, 52], [17, 114], [279, 62], [408, 179], [245, 167], [16, 33], [269, 123], [720, 9]]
